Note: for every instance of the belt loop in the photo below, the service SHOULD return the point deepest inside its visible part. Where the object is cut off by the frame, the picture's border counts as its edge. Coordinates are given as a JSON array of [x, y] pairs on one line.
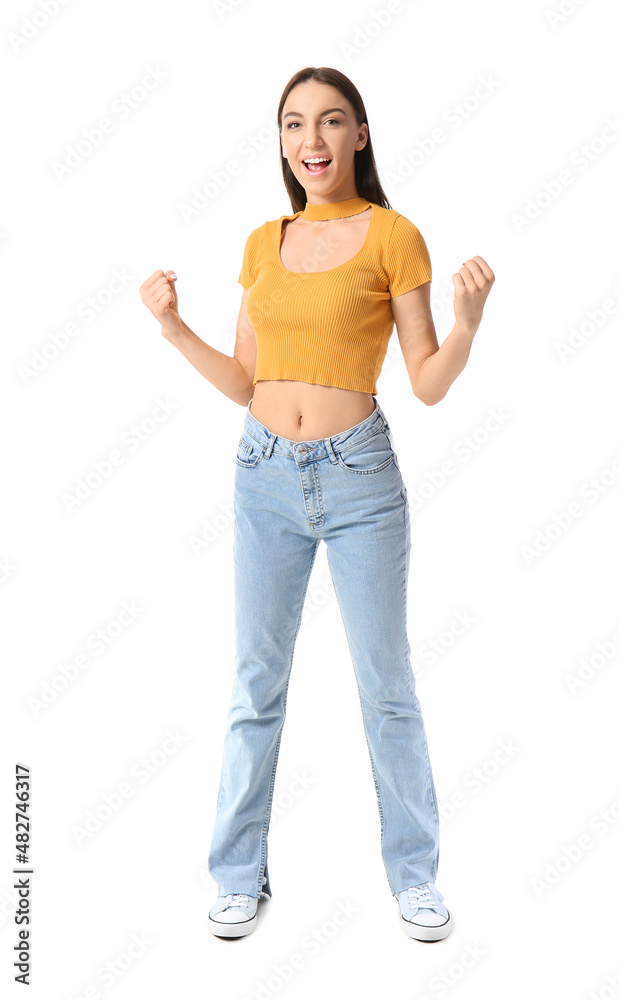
[[269, 448], [330, 451]]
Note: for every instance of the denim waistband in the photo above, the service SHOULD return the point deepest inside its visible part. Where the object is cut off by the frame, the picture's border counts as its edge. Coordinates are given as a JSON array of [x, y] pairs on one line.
[[317, 447]]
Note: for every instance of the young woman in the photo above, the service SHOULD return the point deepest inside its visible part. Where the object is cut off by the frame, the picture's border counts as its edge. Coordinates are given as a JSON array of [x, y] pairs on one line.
[[322, 289]]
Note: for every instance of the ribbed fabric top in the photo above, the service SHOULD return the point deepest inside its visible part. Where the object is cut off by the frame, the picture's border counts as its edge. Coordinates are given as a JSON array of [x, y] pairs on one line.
[[331, 327]]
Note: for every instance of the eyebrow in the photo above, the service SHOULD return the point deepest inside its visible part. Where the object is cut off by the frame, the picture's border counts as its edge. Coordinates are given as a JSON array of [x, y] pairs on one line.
[[298, 115]]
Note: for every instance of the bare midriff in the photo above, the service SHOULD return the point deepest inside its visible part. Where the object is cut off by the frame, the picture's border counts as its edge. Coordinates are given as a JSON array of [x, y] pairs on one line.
[[304, 411]]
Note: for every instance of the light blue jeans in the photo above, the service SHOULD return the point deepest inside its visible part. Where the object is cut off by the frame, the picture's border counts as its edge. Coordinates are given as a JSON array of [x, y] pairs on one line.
[[346, 489]]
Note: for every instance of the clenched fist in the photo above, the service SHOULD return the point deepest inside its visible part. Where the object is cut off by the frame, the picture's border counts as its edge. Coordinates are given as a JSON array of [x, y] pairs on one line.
[[158, 293], [472, 284]]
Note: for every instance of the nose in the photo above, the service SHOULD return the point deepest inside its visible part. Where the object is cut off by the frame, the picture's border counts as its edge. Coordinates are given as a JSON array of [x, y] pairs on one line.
[[312, 141]]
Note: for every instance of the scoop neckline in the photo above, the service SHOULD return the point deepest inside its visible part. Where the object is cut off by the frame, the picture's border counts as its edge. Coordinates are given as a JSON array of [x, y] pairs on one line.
[[329, 270]]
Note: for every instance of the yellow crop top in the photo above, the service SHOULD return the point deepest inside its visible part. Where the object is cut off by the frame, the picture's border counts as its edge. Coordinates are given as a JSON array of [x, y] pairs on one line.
[[331, 327]]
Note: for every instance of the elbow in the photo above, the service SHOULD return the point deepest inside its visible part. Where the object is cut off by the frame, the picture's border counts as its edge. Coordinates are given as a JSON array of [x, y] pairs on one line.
[[428, 400]]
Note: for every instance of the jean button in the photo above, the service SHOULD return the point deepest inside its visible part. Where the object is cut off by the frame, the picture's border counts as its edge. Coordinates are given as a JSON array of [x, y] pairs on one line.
[[302, 450]]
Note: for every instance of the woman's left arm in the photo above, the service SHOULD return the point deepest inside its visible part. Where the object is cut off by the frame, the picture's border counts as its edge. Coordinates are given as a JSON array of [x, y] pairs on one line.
[[432, 369]]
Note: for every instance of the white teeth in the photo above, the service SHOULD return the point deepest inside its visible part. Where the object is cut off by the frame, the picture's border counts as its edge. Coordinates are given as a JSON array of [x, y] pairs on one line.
[[317, 159]]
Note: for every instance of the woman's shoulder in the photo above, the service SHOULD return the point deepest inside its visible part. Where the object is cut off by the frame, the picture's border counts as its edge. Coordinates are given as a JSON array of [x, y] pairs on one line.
[[393, 219], [266, 229]]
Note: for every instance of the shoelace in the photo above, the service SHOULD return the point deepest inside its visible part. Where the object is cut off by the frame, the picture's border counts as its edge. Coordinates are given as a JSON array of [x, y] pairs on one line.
[[236, 899], [423, 896]]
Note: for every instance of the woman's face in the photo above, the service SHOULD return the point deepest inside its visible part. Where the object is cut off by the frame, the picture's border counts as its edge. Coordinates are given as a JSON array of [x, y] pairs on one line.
[[318, 121]]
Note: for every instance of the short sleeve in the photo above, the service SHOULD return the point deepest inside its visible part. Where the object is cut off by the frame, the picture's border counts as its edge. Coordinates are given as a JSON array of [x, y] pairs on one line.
[[247, 274], [408, 261]]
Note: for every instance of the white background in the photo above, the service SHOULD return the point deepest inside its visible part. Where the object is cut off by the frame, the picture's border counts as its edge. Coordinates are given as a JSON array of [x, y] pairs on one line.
[[531, 911]]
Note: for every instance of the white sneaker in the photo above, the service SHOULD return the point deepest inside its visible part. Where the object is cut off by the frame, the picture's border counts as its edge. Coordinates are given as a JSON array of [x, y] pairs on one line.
[[423, 914], [234, 915]]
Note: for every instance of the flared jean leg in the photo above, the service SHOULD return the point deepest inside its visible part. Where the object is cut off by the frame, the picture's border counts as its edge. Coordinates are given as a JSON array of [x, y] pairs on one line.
[[273, 561], [369, 560]]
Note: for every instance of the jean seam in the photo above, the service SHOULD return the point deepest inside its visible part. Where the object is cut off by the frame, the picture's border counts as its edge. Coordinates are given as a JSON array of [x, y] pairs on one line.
[[366, 472], [413, 685], [267, 814], [374, 773]]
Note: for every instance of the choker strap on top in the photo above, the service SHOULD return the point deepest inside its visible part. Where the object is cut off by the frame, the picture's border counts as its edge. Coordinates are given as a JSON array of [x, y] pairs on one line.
[[334, 209]]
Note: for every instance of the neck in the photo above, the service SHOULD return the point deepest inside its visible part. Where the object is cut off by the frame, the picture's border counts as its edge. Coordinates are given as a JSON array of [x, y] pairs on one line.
[[334, 209]]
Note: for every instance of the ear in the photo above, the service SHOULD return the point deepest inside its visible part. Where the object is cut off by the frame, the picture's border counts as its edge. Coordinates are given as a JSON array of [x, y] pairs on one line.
[[363, 137]]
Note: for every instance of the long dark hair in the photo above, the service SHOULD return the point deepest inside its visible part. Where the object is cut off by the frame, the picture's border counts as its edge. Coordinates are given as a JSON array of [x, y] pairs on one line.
[[366, 174]]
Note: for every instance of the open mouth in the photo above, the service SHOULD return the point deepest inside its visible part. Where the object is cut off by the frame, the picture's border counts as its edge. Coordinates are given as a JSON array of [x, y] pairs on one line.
[[316, 168]]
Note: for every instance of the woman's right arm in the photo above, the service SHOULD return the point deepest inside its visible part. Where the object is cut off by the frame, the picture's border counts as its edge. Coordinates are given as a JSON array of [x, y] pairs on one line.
[[231, 375]]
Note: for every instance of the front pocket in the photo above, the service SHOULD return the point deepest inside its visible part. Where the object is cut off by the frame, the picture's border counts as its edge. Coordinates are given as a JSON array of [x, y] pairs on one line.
[[374, 455], [248, 453]]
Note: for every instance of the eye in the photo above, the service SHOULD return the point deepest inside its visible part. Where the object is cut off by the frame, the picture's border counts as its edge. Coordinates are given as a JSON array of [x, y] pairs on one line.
[[336, 120]]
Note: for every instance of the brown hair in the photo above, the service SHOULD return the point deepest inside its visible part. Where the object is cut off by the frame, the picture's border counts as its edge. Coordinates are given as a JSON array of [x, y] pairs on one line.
[[366, 175]]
